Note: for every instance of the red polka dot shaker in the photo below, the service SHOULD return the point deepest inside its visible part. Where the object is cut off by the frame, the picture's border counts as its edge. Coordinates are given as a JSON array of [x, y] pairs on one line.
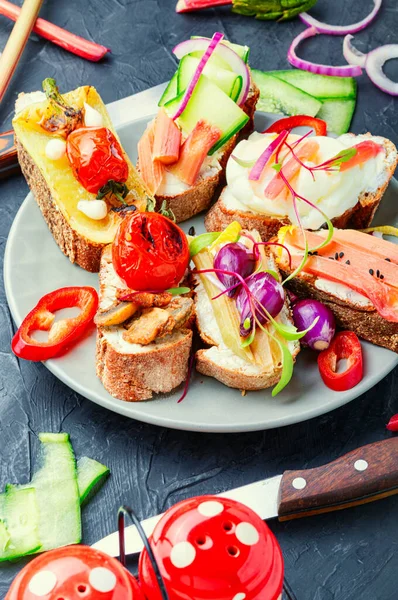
[[211, 547], [74, 573]]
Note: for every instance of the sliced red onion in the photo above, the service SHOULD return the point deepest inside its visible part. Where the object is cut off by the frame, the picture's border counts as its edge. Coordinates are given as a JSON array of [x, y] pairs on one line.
[[258, 168], [351, 54], [341, 29], [321, 334], [305, 65], [373, 63], [238, 66], [266, 291], [236, 258], [215, 40]]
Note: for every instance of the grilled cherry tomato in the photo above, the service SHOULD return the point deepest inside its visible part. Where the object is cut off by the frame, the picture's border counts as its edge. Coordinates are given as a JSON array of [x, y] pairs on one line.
[[74, 573], [319, 126], [96, 156], [150, 252], [212, 547], [345, 345], [62, 334]]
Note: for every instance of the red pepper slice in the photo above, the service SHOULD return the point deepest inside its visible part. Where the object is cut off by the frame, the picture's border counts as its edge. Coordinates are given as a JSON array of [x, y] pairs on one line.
[[319, 126], [62, 334], [392, 424], [345, 345]]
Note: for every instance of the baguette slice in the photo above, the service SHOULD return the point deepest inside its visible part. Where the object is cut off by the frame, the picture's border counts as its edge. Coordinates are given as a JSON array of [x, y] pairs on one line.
[[132, 372], [352, 310], [358, 217], [54, 186], [198, 197], [222, 363]]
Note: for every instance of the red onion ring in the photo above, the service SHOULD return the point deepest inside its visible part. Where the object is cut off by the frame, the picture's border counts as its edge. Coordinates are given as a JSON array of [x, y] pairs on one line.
[[215, 40], [258, 168], [305, 65], [341, 29], [373, 63], [237, 65]]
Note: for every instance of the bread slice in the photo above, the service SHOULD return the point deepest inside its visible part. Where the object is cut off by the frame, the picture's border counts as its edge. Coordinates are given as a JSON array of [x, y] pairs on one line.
[[358, 217], [220, 362], [135, 372], [55, 188], [352, 310], [199, 197]]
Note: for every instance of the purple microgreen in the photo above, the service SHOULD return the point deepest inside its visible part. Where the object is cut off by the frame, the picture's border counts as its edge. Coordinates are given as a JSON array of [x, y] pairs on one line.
[[202, 241], [277, 167], [178, 291], [257, 254], [275, 145], [340, 158], [188, 379]]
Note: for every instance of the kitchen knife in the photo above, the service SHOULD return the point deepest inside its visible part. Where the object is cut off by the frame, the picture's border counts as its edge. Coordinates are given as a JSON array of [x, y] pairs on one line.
[[361, 476]]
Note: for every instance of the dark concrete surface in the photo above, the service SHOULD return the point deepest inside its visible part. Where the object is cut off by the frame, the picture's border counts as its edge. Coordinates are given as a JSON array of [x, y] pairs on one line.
[[349, 555]]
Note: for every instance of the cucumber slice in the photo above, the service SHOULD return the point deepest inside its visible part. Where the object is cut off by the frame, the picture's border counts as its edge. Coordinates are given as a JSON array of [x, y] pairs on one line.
[[277, 96], [208, 102], [57, 492], [90, 476], [320, 86], [19, 527], [242, 51], [337, 112], [225, 80], [170, 91]]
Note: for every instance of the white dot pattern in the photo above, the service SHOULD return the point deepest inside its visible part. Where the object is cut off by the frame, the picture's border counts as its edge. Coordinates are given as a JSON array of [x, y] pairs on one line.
[[210, 508], [247, 534], [299, 483], [361, 465], [42, 583], [102, 579], [182, 555]]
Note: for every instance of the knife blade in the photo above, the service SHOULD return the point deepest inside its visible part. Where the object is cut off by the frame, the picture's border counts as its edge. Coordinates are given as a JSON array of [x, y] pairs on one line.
[[363, 475]]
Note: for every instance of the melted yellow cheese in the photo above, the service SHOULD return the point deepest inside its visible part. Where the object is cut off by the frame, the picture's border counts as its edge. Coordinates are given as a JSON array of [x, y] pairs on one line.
[[65, 188]]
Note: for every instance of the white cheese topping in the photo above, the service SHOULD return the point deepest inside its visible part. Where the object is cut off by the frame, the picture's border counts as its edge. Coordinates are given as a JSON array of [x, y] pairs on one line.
[[342, 292], [172, 186], [93, 209], [55, 148], [332, 192], [92, 118], [25, 100]]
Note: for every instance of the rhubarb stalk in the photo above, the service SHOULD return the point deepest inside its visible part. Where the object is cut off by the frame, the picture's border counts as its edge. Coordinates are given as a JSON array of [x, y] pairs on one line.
[[67, 40]]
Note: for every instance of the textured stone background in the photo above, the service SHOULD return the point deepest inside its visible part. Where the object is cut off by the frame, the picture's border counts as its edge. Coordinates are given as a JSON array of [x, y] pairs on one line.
[[349, 555]]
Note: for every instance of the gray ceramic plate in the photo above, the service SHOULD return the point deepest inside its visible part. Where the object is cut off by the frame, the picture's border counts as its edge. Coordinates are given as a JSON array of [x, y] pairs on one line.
[[34, 266]]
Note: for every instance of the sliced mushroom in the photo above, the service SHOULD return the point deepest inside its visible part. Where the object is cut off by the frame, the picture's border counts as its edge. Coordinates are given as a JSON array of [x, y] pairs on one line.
[[181, 309], [115, 315], [153, 323]]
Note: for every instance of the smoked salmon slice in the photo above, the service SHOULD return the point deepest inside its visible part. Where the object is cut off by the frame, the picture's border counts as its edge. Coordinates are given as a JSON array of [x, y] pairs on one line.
[[359, 257], [306, 151]]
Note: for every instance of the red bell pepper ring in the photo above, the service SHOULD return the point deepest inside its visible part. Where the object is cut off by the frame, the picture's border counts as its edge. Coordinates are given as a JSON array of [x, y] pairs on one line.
[[289, 123], [345, 345], [63, 334]]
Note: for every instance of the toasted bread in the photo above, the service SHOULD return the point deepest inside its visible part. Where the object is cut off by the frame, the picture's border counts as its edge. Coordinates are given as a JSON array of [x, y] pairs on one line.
[[199, 197], [220, 362], [358, 217], [353, 310], [55, 188], [134, 372]]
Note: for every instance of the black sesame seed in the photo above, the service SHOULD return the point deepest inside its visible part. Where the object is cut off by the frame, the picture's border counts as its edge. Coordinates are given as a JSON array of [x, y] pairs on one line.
[[347, 262], [191, 230], [377, 273], [388, 259], [331, 257], [371, 271], [341, 254], [381, 276], [336, 256]]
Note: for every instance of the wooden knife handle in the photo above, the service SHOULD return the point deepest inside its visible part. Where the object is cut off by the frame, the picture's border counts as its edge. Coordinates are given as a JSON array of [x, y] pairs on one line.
[[8, 154], [361, 476]]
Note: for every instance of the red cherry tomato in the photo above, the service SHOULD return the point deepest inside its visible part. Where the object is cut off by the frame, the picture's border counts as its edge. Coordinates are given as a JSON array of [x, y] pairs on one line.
[[74, 573], [212, 547], [150, 252], [96, 156]]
